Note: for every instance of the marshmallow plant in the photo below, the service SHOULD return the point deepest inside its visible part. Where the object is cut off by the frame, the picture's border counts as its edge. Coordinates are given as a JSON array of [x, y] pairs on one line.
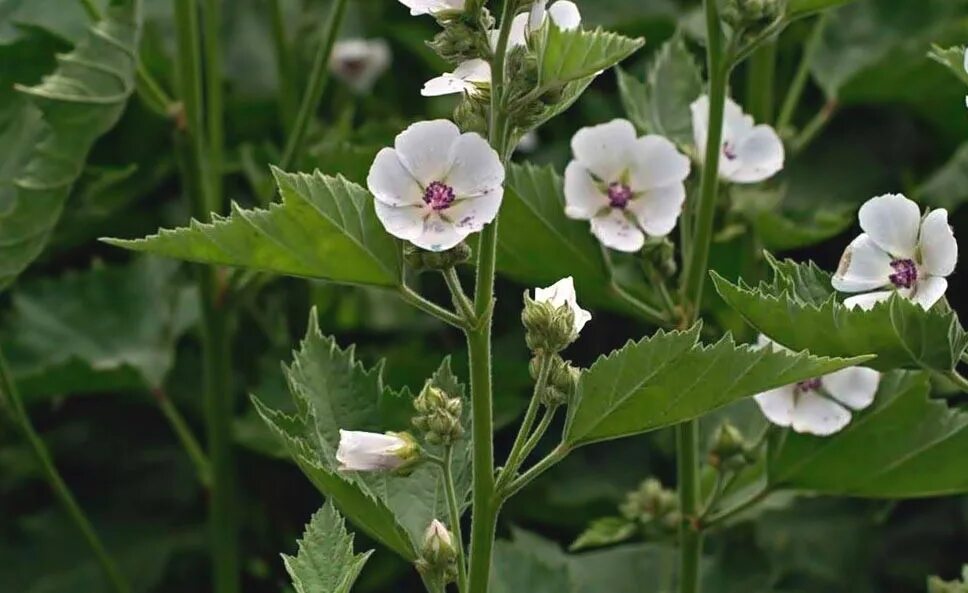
[[627, 228]]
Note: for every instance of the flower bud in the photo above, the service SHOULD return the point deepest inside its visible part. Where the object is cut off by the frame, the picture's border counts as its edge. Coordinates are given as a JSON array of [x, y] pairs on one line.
[[653, 505], [372, 451], [936, 585], [553, 318], [438, 554], [661, 254], [730, 449], [561, 383], [472, 112], [438, 416], [421, 259], [460, 41], [753, 15]]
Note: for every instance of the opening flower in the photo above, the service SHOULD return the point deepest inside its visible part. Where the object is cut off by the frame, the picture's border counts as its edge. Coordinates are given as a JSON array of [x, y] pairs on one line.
[[560, 294], [750, 153], [562, 13], [468, 78], [897, 252], [433, 7], [359, 62], [436, 186], [372, 451], [821, 405], [627, 187]]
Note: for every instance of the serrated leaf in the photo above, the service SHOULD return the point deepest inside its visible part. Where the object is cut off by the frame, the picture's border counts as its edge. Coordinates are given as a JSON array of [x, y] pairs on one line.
[[800, 310], [569, 55], [635, 97], [605, 532], [325, 227], [54, 131], [55, 345], [671, 377], [672, 84], [333, 391], [905, 445], [326, 562]]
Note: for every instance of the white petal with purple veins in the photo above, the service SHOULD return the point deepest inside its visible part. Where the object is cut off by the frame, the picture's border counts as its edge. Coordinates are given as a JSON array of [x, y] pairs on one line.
[[391, 183], [656, 162], [864, 266], [615, 230], [475, 166], [403, 222], [471, 214], [760, 156], [439, 234], [893, 222]]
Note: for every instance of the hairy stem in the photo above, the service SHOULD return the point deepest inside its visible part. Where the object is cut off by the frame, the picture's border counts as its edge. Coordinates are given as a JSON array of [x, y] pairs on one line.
[[463, 304], [556, 455], [958, 379], [454, 508], [690, 538], [430, 308], [11, 397], [516, 456]]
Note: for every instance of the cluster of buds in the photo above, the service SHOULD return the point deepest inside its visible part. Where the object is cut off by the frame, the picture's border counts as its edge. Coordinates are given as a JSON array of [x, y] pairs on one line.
[[652, 506], [752, 16], [660, 254], [561, 383], [438, 416], [730, 451], [553, 319], [422, 259], [438, 554]]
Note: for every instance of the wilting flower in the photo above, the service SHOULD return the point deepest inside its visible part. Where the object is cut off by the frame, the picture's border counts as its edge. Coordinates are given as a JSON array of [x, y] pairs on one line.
[[750, 153], [359, 62], [561, 294], [821, 405], [627, 187], [372, 451], [562, 13], [433, 7], [436, 186], [468, 78], [897, 252]]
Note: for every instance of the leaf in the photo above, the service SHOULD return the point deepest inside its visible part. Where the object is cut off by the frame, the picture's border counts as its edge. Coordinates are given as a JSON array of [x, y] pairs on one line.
[[325, 227], [671, 377], [780, 226], [953, 58], [110, 327], [605, 532], [801, 8], [673, 83], [948, 186], [333, 391], [326, 562], [906, 445], [529, 563], [801, 311], [56, 127], [635, 97], [568, 55]]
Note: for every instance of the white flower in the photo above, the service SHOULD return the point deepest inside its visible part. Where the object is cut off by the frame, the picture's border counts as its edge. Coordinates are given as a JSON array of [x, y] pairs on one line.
[[750, 153], [822, 405], [897, 252], [560, 294], [468, 77], [438, 537], [966, 70], [626, 186], [436, 186], [359, 62], [433, 7], [563, 13], [372, 451]]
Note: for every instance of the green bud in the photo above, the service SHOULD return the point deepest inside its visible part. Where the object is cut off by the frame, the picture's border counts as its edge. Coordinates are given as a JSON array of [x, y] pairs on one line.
[[460, 41], [472, 113], [562, 382], [936, 585], [752, 15], [438, 554], [653, 506], [661, 253], [438, 416], [421, 259], [547, 328], [730, 449]]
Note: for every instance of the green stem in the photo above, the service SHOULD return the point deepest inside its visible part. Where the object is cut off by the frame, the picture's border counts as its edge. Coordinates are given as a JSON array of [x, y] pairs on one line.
[[516, 456], [959, 380], [454, 507], [539, 432], [813, 128], [964, 357], [284, 67], [760, 83], [214, 105], [185, 436], [556, 455], [799, 82], [690, 537], [318, 77], [486, 505], [10, 395], [463, 304], [752, 501], [433, 309]]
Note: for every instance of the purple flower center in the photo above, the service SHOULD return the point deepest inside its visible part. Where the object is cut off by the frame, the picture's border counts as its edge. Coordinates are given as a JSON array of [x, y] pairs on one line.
[[438, 195], [807, 386], [619, 195], [905, 273], [729, 151]]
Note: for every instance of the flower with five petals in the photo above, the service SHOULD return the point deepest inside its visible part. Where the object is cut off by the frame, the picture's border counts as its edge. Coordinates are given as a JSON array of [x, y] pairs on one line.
[[750, 153]]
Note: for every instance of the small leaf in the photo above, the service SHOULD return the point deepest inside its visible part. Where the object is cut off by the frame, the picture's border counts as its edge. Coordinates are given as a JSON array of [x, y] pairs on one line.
[[801, 311], [326, 562], [673, 83], [605, 532], [635, 99], [669, 378], [325, 227], [906, 445], [54, 131], [574, 54]]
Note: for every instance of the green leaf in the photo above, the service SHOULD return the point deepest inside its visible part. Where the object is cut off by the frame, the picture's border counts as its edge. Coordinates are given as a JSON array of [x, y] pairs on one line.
[[55, 129], [781, 228], [605, 532], [333, 391], [906, 445], [326, 562], [568, 55], [800, 310], [673, 83], [948, 186], [635, 98], [110, 327], [953, 58], [671, 377], [325, 227], [529, 563], [801, 8]]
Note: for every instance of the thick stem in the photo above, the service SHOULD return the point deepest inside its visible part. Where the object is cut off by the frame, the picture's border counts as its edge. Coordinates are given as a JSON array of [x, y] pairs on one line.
[[10, 395], [690, 538], [760, 83], [214, 101], [454, 508]]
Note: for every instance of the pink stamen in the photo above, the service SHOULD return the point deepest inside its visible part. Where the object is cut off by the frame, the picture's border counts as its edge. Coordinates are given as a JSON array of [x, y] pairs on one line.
[[439, 196]]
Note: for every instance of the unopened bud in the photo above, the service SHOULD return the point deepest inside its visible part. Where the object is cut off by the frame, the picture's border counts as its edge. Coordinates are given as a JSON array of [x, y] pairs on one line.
[[421, 259], [438, 416], [661, 254], [460, 41], [373, 451], [553, 319], [653, 505], [438, 554], [752, 15], [472, 112], [730, 449]]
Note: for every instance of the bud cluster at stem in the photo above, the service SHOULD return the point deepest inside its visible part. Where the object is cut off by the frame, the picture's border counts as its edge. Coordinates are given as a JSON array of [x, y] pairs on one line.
[[438, 416], [438, 554], [660, 253], [751, 16], [421, 259], [561, 383], [729, 450], [655, 508]]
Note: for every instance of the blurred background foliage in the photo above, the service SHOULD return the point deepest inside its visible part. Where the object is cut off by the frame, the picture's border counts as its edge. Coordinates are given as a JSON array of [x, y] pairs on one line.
[[103, 344]]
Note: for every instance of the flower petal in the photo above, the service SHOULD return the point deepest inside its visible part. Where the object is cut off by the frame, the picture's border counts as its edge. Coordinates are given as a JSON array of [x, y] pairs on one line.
[[565, 14], [518, 36], [445, 84], [390, 181], [863, 266], [818, 415], [868, 300], [760, 156], [929, 291], [777, 405], [536, 15], [606, 149], [424, 148], [735, 122], [939, 249], [892, 221], [615, 230], [419, 7], [583, 198], [469, 215], [656, 163], [403, 222], [658, 209], [439, 234], [854, 387], [368, 451], [475, 167], [563, 293]]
